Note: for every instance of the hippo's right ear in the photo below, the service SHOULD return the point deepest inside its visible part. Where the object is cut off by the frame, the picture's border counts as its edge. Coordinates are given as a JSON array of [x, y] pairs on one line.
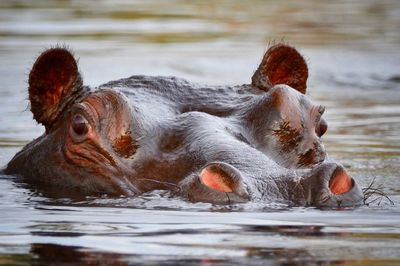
[[53, 82], [281, 64]]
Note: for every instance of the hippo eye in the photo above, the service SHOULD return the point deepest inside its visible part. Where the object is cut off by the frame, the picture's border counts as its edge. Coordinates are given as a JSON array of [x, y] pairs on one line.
[[79, 125], [321, 128]]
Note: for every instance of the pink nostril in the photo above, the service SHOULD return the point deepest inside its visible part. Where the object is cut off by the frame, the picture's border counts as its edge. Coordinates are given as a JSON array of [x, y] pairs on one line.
[[340, 182], [225, 178], [216, 179]]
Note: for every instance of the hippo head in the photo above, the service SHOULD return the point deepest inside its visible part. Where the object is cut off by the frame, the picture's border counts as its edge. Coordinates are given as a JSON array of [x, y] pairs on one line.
[[222, 144]]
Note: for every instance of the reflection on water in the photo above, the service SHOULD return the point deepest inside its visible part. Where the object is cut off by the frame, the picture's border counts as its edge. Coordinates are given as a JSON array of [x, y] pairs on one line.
[[352, 49], [309, 22]]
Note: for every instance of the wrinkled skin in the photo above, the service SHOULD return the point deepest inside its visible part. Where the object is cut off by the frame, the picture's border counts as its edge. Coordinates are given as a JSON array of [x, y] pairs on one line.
[[219, 144]]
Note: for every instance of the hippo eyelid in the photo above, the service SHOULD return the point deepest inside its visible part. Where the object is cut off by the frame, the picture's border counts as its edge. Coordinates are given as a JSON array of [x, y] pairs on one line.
[[320, 112], [321, 109], [82, 109]]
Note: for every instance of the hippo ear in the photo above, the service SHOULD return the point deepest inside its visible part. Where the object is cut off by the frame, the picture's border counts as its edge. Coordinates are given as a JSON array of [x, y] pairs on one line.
[[282, 64], [53, 81]]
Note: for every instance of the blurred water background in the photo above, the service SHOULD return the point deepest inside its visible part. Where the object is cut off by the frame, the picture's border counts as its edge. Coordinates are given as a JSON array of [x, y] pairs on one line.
[[352, 48]]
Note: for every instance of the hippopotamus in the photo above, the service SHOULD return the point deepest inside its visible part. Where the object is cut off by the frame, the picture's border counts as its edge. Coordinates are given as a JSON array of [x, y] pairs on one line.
[[219, 144]]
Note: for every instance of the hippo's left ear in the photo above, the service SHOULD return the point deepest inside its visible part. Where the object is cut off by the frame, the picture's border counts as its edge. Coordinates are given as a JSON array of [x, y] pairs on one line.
[[281, 64], [54, 81]]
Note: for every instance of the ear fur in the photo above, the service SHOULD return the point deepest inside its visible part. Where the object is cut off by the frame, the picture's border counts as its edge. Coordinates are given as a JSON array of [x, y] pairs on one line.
[[281, 64], [53, 81]]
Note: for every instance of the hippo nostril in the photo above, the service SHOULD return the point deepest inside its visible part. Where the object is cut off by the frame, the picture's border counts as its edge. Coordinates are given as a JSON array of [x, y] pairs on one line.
[[223, 177], [340, 181], [216, 178]]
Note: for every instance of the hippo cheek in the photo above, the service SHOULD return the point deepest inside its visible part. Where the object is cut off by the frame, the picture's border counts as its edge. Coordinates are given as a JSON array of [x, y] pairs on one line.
[[298, 158], [218, 183], [312, 156]]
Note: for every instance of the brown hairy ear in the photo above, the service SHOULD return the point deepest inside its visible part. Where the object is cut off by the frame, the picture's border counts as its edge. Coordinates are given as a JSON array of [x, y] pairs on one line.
[[282, 64], [53, 81]]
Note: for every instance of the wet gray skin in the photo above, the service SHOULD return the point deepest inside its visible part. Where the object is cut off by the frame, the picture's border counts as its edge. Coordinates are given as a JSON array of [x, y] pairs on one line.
[[256, 142]]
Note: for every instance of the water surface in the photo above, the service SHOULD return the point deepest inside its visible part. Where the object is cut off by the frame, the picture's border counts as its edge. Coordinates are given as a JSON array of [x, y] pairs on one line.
[[352, 51]]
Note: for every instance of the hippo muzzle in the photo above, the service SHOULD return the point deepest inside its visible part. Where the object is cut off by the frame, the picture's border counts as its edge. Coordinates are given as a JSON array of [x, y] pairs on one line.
[[228, 186]]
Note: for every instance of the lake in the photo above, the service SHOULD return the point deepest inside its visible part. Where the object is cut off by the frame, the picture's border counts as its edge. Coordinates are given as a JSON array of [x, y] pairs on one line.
[[352, 48]]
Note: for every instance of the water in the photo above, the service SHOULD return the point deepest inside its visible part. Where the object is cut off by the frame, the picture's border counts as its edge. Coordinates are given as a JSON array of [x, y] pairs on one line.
[[352, 50]]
